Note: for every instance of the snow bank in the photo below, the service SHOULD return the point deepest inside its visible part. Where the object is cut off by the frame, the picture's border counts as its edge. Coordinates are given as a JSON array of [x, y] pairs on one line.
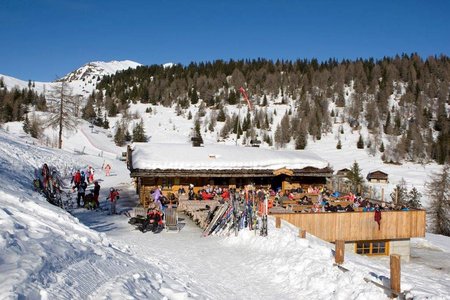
[[303, 266]]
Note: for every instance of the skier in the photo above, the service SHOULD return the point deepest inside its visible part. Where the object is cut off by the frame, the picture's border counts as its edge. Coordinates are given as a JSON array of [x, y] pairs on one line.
[[113, 197], [107, 169]]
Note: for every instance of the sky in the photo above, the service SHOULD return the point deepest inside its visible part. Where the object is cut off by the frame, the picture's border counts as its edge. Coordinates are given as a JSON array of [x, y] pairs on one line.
[[45, 39]]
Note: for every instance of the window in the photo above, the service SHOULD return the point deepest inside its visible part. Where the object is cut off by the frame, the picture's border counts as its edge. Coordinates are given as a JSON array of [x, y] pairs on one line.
[[372, 248]]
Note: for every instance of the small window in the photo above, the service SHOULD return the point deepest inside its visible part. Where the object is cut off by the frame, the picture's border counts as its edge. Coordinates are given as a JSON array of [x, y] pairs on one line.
[[372, 248]]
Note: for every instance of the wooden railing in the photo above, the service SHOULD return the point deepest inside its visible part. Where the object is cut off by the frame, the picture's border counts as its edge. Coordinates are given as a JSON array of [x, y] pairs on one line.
[[360, 226]]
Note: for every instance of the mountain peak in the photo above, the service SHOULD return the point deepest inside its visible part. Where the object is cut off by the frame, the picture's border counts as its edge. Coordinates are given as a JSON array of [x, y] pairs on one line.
[[97, 69]]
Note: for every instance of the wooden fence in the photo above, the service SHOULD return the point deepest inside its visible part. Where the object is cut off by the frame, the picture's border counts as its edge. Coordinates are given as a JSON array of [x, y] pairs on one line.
[[360, 226]]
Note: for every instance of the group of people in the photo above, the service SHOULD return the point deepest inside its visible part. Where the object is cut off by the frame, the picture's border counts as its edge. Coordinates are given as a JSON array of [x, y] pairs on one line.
[[208, 192], [48, 181], [78, 180], [81, 179]]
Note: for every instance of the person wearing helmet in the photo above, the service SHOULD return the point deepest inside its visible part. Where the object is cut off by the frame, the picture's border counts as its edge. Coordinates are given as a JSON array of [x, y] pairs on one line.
[[113, 197]]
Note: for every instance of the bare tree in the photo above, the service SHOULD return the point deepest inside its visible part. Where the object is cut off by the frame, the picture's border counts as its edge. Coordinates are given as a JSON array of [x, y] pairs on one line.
[[438, 189], [63, 107]]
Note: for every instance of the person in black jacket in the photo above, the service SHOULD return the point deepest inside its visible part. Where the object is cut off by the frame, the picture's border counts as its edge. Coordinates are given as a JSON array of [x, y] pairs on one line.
[[81, 188], [96, 193]]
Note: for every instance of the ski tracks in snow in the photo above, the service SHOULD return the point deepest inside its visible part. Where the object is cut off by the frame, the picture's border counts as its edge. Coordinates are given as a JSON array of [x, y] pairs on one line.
[[112, 276]]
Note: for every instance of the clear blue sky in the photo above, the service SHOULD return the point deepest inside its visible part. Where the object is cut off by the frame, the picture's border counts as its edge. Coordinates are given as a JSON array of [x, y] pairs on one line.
[[43, 39]]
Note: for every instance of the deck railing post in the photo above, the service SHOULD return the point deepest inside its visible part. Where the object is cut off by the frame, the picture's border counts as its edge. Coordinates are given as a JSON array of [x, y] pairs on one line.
[[339, 252], [302, 233], [277, 222], [395, 273]]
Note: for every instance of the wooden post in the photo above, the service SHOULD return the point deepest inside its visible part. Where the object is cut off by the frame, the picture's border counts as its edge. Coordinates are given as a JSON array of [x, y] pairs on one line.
[[302, 233], [277, 222], [382, 195], [339, 252], [395, 273]]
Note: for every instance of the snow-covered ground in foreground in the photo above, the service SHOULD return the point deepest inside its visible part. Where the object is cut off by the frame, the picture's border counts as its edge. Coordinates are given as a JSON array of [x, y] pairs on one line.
[[48, 253]]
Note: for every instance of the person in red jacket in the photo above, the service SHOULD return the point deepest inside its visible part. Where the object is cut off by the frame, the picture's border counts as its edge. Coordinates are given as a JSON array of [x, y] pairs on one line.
[[77, 178], [206, 195], [113, 197], [153, 220], [226, 194]]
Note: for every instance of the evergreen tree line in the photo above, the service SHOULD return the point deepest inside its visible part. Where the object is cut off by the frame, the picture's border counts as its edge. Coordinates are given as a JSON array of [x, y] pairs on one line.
[[417, 124], [16, 103]]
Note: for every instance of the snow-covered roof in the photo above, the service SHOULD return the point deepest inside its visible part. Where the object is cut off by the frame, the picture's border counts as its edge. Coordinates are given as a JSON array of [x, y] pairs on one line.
[[223, 157]]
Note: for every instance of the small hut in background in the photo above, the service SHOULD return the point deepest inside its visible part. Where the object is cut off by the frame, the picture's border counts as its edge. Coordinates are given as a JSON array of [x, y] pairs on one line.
[[377, 177]]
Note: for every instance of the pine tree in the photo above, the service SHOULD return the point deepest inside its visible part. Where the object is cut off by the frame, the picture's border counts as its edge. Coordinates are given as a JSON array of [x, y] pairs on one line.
[[382, 147], [139, 132], [35, 127], [400, 193], [88, 112], [194, 96], [355, 177], [339, 145], [26, 124], [264, 102], [414, 199], [119, 137], [301, 141], [360, 143], [128, 136], [438, 189], [221, 117], [105, 122]]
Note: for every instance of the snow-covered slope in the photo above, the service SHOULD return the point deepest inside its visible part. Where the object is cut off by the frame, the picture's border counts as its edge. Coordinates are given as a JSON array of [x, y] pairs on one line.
[[93, 70], [46, 253], [11, 82]]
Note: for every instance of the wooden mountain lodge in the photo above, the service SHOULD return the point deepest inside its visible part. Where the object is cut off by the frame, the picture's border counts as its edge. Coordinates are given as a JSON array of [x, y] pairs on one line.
[[172, 166]]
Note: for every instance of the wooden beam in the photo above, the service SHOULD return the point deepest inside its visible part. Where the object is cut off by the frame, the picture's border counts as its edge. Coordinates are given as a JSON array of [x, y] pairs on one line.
[[339, 252], [395, 273]]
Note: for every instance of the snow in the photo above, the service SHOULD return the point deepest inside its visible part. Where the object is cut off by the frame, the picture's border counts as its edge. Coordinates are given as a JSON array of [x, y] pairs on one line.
[[48, 253], [213, 156]]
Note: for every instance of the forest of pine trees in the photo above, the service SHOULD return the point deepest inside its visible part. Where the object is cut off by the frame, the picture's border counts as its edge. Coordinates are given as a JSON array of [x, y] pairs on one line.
[[15, 103], [417, 123], [403, 101]]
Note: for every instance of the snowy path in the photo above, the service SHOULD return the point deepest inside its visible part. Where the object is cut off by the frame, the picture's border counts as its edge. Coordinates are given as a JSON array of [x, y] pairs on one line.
[[279, 267]]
